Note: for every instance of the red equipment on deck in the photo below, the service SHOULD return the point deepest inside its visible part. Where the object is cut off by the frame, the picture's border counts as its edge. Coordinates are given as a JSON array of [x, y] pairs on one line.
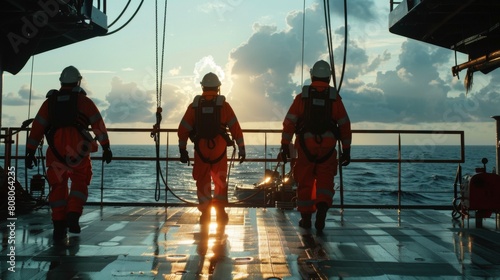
[[481, 193]]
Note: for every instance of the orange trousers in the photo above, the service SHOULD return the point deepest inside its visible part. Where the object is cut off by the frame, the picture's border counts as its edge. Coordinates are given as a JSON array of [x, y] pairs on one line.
[[314, 181], [61, 201], [204, 173]]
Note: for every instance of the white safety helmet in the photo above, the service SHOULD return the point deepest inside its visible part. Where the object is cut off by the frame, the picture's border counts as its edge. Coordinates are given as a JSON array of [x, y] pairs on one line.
[[321, 69], [70, 75], [210, 80]]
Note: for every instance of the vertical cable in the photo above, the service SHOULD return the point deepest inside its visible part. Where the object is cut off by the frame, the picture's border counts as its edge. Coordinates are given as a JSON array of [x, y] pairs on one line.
[[159, 60], [303, 39], [29, 113], [31, 85], [345, 47], [326, 6]]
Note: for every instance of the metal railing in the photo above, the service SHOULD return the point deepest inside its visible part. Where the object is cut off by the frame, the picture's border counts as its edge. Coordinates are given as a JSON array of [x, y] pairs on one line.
[[268, 139]]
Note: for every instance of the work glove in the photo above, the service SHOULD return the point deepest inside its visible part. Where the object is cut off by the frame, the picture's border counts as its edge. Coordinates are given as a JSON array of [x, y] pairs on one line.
[[107, 155], [30, 159], [345, 157], [184, 155], [285, 152], [241, 154]]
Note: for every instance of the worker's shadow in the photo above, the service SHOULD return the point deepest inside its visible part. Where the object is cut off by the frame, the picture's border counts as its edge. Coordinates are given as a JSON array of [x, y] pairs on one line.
[[65, 265]]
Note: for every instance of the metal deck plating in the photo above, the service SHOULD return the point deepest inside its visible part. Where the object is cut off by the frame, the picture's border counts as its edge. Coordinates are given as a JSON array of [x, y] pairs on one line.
[[258, 243]]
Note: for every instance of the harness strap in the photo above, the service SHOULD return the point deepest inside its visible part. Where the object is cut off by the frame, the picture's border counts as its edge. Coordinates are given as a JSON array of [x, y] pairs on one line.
[[311, 157], [79, 120], [308, 96], [87, 145], [221, 130], [207, 160]]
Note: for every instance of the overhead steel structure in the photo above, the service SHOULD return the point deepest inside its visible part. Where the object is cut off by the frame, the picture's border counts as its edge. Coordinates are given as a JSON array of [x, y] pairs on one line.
[[471, 27]]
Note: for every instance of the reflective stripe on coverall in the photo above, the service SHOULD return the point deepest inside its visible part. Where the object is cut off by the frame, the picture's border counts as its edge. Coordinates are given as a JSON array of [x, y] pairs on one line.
[[69, 142], [316, 180], [203, 172]]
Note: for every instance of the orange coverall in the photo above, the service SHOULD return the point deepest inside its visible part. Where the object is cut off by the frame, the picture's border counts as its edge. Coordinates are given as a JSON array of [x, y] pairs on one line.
[[68, 142], [315, 180], [204, 172]]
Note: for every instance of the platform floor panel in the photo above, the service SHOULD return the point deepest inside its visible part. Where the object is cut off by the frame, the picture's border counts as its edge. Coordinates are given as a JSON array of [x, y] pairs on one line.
[[257, 243]]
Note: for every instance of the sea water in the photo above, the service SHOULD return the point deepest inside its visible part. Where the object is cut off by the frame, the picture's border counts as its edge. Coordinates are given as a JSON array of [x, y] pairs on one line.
[[365, 181]]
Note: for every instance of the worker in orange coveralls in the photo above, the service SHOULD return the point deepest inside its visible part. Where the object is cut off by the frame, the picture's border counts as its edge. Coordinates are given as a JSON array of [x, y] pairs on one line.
[[205, 122], [318, 118], [64, 118]]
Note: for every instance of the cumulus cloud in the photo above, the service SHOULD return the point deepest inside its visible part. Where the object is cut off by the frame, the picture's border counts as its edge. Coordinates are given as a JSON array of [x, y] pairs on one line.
[[410, 90], [174, 103], [483, 104], [359, 9], [203, 66], [129, 104], [261, 76], [175, 71], [21, 97], [263, 70], [415, 93]]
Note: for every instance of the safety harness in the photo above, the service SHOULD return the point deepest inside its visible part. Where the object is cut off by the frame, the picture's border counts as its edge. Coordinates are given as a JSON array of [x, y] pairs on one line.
[[63, 112], [317, 119], [208, 125]]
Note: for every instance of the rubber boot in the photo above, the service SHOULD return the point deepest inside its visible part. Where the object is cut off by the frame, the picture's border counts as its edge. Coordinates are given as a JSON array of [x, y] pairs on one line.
[[205, 217], [305, 222], [73, 219], [222, 216], [59, 232], [322, 208]]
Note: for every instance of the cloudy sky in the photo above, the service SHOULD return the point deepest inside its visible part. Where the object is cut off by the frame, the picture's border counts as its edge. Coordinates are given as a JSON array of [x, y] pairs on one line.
[[262, 51]]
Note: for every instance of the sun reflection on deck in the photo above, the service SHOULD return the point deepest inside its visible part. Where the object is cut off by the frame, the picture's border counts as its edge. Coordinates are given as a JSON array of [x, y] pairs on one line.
[[257, 243]]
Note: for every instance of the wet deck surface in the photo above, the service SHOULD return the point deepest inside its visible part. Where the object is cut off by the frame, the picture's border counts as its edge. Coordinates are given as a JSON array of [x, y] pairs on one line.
[[159, 243]]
